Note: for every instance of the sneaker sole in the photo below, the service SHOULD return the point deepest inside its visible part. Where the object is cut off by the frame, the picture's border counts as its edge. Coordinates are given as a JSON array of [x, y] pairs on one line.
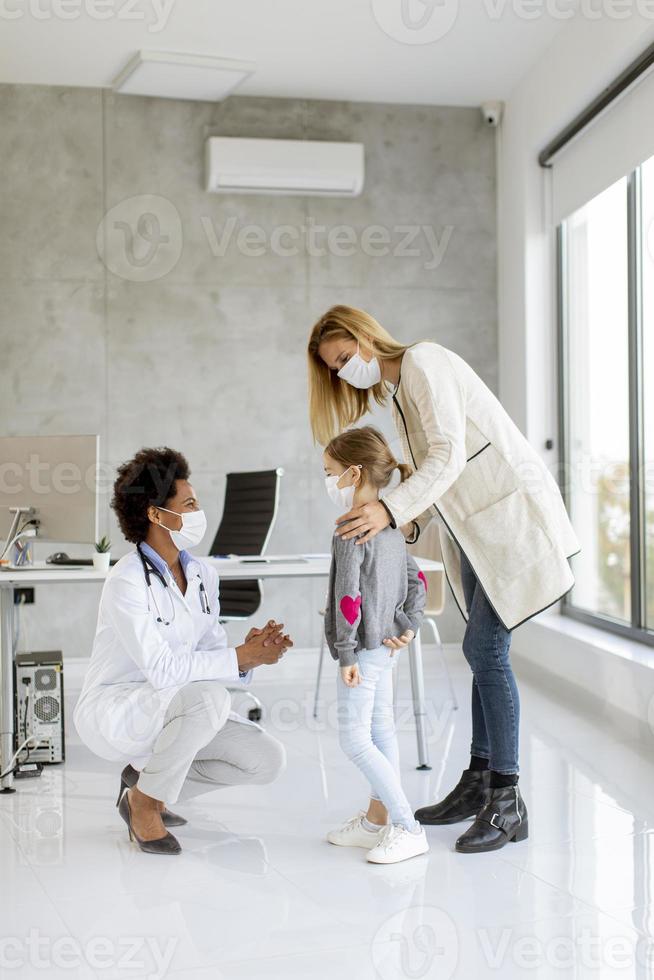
[[399, 860], [336, 843]]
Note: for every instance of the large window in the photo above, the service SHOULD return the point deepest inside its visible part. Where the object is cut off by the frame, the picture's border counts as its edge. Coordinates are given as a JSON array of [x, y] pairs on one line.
[[606, 286]]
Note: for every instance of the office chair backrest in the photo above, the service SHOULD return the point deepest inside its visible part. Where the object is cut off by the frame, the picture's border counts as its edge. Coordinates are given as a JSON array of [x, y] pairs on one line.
[[428, 545], [249, 513]]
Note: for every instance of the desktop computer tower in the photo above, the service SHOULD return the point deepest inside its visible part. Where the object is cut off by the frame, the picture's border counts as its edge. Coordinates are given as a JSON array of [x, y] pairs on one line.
[[39, 705]]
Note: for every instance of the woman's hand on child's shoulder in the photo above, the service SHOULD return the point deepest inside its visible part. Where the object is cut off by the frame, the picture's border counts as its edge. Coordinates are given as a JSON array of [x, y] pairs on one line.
[[398, 642], [351, 675]]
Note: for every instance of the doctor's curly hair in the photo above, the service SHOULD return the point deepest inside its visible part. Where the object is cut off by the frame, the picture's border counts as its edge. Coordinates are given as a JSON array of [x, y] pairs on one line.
[[146, 480]]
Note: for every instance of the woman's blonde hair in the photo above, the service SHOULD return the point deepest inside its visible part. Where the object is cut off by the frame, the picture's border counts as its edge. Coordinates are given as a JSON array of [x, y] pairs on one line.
[[367, 448], [333, 403]]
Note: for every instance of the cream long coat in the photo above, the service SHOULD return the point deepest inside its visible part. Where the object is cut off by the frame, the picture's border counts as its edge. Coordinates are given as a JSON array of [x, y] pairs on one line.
[[491, 491]]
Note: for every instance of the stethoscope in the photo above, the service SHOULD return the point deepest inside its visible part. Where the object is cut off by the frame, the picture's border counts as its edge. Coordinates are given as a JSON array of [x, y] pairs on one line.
[[150, 569]]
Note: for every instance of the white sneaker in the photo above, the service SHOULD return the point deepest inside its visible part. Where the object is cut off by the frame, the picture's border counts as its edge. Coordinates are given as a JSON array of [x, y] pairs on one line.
[[398, 844], [354, 834]]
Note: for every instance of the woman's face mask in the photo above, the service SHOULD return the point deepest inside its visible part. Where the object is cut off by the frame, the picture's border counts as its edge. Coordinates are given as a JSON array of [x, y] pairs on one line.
[[194, 526], [341, 496], [360, 373]]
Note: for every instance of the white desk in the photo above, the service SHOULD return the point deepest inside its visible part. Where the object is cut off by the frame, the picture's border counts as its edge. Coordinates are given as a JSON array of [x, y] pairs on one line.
[[289, 566]]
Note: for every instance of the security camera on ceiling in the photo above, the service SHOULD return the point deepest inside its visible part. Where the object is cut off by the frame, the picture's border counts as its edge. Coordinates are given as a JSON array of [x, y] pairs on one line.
[[492, 112]]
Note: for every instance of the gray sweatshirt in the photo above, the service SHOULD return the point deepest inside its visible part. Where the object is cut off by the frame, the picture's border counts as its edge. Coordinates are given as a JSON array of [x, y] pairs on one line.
[[375, 593]]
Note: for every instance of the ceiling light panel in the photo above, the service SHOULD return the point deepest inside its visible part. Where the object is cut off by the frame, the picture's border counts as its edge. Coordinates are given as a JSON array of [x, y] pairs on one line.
[[172, 75]]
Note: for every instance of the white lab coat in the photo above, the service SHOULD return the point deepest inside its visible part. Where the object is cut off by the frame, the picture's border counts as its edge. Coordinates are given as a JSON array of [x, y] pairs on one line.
[[138, 664]]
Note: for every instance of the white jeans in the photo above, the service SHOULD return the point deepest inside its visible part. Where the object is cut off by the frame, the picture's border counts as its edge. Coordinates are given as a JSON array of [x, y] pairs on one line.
[[366, 722], [200, 749]]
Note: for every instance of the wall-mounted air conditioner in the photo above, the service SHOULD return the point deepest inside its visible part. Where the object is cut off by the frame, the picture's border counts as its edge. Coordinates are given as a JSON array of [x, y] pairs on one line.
[[307, 167]]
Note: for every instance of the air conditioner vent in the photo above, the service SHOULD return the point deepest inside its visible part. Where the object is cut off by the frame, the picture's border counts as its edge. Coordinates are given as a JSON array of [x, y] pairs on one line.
[[304, 167]]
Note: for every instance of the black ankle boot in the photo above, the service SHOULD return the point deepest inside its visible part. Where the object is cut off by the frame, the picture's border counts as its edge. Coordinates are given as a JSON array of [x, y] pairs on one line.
[[503, 819], [465, 801]]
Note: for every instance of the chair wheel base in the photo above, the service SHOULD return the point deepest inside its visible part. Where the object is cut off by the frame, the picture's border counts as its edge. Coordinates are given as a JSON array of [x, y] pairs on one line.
[[255, 714]]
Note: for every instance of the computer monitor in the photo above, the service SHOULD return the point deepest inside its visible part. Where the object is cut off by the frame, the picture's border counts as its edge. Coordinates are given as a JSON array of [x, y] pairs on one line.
[[57, 476]]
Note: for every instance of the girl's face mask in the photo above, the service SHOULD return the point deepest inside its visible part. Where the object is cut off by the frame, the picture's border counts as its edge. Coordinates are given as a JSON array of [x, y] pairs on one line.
[[341, 496]]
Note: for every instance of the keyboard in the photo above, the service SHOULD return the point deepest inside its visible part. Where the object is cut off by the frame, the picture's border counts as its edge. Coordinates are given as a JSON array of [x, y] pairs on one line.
[[36, 566], [42, 566], [62, 562]]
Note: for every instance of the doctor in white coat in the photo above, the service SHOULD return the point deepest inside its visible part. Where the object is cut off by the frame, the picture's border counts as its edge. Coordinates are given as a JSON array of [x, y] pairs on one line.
[[505, 535], [154, 696]]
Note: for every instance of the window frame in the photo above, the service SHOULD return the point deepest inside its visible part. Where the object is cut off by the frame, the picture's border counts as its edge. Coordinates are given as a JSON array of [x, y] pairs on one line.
[[637, 629]]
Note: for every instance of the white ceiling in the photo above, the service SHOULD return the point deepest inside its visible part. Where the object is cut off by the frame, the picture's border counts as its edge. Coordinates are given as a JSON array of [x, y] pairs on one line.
[[328, 49]]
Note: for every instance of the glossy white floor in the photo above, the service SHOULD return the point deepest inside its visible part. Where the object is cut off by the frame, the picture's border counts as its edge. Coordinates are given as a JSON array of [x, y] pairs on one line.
[[257, 893]]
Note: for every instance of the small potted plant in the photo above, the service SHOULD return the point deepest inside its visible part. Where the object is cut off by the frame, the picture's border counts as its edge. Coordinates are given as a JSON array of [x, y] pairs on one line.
[[102, 554]]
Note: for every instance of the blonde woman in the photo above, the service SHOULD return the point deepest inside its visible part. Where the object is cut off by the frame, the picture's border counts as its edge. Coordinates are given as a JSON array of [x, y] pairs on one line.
[[505, 534]]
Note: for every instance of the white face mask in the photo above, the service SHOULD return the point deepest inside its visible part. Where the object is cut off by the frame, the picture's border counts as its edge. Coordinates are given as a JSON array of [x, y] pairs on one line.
[[341, 496], [194, 526], [360, 373]]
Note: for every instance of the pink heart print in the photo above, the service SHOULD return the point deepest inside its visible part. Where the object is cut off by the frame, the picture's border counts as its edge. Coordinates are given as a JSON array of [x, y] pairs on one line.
[[350, 607], [421, 576]]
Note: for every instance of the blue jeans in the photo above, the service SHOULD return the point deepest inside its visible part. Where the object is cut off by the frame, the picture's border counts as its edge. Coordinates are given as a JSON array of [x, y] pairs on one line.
[[495, 698], [366, 724]]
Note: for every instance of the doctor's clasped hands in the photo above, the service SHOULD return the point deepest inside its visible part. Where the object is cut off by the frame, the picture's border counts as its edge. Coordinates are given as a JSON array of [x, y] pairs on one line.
[[263, 646]]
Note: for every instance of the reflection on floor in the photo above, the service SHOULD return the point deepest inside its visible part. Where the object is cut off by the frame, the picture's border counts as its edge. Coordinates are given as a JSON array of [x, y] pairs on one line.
[[257, 893]]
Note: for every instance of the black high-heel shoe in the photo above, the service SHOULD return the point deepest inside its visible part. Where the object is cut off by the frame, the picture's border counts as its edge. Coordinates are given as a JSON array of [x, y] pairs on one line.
[[162, 845], [128, 778]]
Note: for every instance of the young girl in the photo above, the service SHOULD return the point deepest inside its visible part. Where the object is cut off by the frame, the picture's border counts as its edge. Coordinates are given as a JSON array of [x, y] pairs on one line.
[[374, 608]]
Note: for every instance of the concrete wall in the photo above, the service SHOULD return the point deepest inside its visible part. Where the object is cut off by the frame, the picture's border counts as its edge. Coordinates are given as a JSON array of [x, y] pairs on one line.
[[192, 332]]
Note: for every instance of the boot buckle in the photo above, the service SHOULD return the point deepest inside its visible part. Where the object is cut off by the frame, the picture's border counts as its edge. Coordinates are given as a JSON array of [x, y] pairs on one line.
[[492, 822]]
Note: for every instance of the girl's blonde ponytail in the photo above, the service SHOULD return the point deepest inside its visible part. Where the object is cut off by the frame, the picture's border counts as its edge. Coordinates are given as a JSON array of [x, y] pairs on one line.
[[367, 447]]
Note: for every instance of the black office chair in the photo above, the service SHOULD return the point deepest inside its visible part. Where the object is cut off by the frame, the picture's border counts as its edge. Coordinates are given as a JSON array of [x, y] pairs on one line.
[[249, 513]]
